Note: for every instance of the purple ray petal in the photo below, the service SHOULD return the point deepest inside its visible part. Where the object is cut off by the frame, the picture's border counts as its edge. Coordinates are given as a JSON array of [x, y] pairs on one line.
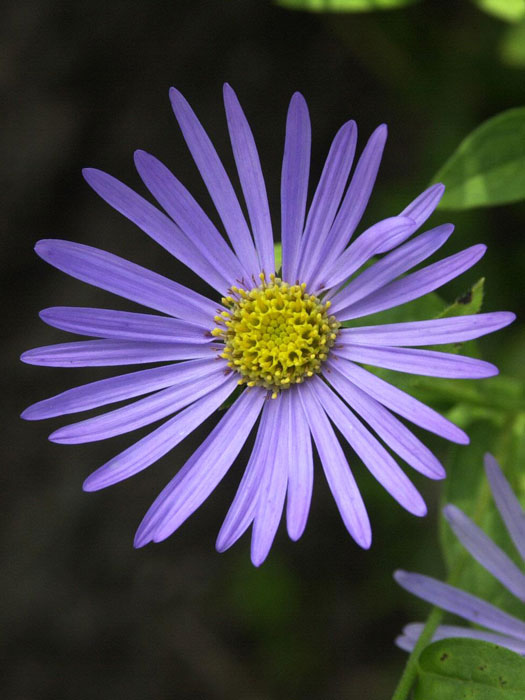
[[507, 503], [121, 277], [429, 363], [158, 443], [434, 332], [401, 403], [142, 412], [338, 474], [106, 353], [242, 510], [412, 631], [388, 427], [153, 222], [301, 469], [124, 325], [327, 198], [272, 488], [486, 552], [392, 265], [415, 285], [203, 471], [113, 389], [251, 177], [355, 199], [294, 184], [184, 210], [425, 204], [376, 459], [219, 186], [460, 603], [379, 238]]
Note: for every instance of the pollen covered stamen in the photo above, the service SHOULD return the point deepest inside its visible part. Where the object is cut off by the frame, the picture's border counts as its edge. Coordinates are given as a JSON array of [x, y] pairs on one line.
[[275, 335]]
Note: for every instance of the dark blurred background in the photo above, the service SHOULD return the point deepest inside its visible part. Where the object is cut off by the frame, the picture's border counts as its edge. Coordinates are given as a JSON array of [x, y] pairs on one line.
[[83, 614]]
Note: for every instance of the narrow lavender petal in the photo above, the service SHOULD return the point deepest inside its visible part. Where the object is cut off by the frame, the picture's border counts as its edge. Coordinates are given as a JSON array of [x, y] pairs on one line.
[[486, 552], [379, 238], [294, 184], [184, 210], [242, 510], [388, 427], [376, 459], [460, 603], [338, 474], [121, 277], [401, 403], [301, 469], [107, 353], [124, 325], [508, 505], [143, 412], [153, 222], [272, 488], [203, 471], [412, 631], [413, 286], [113, 389], [392, 265], [434, 332], [158, 443], [251, 177], [355, 200], [219, 186], [425, 204], [327, 198], [429, 363]]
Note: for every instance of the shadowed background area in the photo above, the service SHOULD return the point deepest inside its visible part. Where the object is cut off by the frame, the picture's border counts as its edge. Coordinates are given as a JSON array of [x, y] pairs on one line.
[[83, 614]]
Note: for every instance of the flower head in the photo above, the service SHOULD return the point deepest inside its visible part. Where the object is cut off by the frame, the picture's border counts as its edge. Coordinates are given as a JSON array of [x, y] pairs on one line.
[[276, 334], [500, 627]]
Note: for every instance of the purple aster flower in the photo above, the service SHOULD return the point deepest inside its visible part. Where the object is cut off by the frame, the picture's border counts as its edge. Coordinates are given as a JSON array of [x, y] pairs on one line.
[[278, 337], [500, 627]]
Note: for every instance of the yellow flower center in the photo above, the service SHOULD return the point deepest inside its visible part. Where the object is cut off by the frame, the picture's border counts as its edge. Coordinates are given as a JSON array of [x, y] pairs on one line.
[[275, 335]]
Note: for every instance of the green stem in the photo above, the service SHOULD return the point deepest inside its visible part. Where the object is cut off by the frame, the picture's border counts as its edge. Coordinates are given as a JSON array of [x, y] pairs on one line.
[[409, 674]]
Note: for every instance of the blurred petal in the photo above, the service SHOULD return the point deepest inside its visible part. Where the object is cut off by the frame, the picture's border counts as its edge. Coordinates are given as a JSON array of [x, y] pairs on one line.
[[486, 552], [460, 603], [300, 469], [507, 503]]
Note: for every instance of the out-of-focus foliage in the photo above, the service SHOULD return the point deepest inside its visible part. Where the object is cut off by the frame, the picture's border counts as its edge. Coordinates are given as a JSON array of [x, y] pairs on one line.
[[344, 5], [467, 669], [512, 49], [508, 10], [488, 168]]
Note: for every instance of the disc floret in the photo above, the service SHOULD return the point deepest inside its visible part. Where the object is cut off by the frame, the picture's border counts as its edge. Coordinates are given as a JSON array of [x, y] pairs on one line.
[[275, 335]]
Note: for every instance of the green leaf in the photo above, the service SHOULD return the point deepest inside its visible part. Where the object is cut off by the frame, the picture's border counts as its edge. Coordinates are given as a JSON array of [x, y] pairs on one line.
[[344, 5], [512, 49], [488, 167], [466, 304], [468, 669], [278, 254], [508, 10]]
